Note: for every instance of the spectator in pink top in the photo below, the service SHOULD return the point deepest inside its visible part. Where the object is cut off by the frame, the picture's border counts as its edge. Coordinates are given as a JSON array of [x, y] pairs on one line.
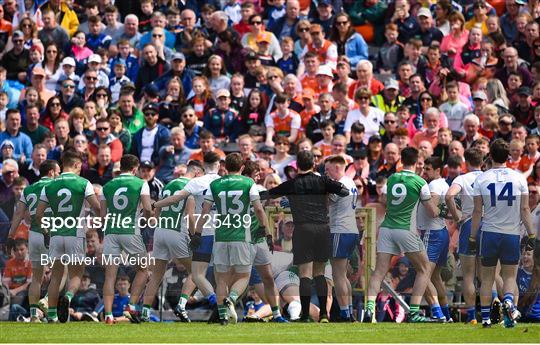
[[453, 43]]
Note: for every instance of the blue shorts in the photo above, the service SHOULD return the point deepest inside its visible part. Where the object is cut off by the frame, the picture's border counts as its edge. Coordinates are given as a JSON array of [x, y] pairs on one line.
[[254, 278], [436, 243], [495, 247], [343, 245], [464, 233], [204, 252]]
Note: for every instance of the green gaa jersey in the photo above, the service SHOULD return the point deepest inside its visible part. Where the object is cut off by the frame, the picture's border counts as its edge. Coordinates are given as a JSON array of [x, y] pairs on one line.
[[232, 195], [405, 189], [30, 197], [66, 195], [172, 217], [123, 195]]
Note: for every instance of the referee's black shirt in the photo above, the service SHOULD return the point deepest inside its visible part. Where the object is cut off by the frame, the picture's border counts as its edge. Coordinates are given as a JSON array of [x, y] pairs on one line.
[[308, 197]]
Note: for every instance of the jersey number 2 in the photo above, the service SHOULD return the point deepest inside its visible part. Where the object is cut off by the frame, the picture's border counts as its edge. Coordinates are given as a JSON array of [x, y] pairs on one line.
[[505, 194]]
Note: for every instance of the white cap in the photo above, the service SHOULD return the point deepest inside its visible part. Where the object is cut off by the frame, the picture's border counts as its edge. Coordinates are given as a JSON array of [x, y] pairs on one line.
[[94, 58], [325, 70], [424, 12], [69, 61]]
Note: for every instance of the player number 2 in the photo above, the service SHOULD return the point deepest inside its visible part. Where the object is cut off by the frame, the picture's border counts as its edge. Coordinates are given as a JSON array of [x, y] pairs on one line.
[[67, 197], [399, 191], [506, 194]]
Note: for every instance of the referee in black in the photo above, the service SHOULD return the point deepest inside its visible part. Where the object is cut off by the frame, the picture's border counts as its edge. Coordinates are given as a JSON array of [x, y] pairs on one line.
[[308, 198]]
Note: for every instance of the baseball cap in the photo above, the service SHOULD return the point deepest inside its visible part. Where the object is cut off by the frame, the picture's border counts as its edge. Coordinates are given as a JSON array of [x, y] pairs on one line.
[[7, 143], [18, 34], [151, 107], [308, 93], [424, 12], [121, 62], [521, 2], [223, 93], [375, 137], [325, 70], [252, 56], [479, 95], [94, 58], [524, 90], [178, 56], [38, 71], [147, 164], [151, 90], [325, 3], [267, 149], [69, 61], [264, 37], [391, 84]]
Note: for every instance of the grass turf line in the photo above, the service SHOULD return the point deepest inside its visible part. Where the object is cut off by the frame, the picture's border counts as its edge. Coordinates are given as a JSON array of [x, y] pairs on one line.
[[85, 332]]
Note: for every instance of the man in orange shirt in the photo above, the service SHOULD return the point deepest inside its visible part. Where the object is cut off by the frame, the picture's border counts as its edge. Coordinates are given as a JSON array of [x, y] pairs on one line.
[[283, 121], [430, 132], [207, 143], [309, 78], [17, 277]]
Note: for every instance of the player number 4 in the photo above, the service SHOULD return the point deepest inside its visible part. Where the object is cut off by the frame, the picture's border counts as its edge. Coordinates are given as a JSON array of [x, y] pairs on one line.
[[506, 194]]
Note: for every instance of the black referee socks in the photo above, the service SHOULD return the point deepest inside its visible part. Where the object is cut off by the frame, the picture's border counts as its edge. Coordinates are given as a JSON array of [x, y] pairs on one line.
[[322, 292], [305, 296]]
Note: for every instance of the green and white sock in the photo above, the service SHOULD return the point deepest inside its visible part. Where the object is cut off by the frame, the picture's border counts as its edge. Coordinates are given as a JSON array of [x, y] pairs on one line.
[[415, 308], [33, 310], [146, 311], [222, 309], [233, 295], [370, 306], [108, 314], [69, 295], [52, 313], [275, 312], [183, 301]]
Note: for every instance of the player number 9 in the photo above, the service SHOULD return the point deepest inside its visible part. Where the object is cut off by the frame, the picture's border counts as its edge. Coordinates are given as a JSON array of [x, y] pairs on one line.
[[399, 191]]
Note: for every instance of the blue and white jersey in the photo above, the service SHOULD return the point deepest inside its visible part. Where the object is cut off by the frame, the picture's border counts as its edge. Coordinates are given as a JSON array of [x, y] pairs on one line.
[[466, 182], [199, 187], [425, 221], [501, 190], [342, 210]]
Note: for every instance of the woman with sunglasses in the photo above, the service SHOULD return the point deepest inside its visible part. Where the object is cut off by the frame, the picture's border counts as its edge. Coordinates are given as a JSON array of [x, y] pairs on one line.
[[480, 15], [282, 158], [53, 112], [304, 37], [51, 64], [257, 28], [102, 99], [348, 41], [29, 29]]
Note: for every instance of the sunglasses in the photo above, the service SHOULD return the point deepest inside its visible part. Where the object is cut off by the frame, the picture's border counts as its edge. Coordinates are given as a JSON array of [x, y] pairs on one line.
[[157, 35], [256, 23], [10, 172], [17, 41], [69, 86], [150, 114], [389, 121], [80, 141], [426, 99], [536, 46], [502, 123], [342, 23], [315, 33], [102, 129], [303, 29], [317, 156], [90, 78], [363, 98], [27, 25], [272, 77], [101, 95], [52, 51], [54, 104], [188, 115]]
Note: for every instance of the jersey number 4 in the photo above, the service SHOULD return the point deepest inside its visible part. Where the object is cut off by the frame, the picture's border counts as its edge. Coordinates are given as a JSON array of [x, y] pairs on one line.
[[506, 194]]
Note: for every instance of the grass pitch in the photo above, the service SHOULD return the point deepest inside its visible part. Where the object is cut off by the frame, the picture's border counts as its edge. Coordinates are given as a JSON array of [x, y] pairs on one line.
[[84, 332]]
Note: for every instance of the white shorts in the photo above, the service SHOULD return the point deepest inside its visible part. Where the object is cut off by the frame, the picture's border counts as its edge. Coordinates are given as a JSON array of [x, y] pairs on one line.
[[36, 247], [237, 255], [170, 244], [398, 242], [262, 254], [68, 246], [286, 279], [132, 245]]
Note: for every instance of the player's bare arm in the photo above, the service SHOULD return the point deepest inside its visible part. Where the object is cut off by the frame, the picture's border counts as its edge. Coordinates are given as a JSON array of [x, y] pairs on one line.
[[21, 212], [171, 200], [452, 192]]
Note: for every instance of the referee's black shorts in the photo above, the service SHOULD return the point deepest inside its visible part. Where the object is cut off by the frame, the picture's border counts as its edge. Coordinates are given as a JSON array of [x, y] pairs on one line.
[[311, 243]]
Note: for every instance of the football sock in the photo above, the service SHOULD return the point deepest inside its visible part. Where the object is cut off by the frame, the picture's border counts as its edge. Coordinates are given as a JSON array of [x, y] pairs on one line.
[[485, 311], [344, 312], [212, 299], [51, 313], [183, 301], [446, 311], [370, 306], [413, 309], [494, 295], [222, 309], [275, 312], [509, 297], [322, 292], [146, 310], [351, 310], [108, 314], [69, 295], [305, 296], [33, 310], [436, 311], [132, 306], [233, 295], [471, 313]]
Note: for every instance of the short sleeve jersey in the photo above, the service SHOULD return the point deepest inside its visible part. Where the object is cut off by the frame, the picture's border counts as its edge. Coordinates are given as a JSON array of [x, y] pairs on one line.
[[342, 210], [123, 196], [501, 190], [171, 217], [66, 195], [233, 195], [466, 182], [405, 190], [426, 222], [30, 197], [199, 187]]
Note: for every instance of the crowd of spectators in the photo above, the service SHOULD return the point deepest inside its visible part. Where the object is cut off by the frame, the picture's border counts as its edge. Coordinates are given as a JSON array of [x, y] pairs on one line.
[[169, 80]]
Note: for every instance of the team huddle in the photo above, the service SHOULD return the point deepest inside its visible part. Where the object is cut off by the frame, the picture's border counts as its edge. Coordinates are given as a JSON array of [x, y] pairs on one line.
[[224, 225]]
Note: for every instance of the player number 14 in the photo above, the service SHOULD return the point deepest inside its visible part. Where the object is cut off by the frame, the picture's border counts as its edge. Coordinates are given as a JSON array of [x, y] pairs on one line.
[[506, 194]]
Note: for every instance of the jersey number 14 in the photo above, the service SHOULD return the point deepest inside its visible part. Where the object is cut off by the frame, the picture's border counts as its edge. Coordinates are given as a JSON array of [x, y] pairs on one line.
[[506, 194]]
